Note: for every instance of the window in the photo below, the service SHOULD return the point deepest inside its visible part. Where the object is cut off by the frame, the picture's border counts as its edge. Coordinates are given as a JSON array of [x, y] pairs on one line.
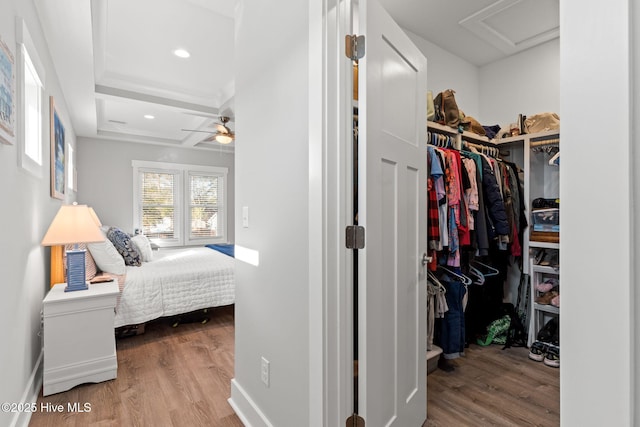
[[205, 193], [177, 205], [31, 86], [71, 168]]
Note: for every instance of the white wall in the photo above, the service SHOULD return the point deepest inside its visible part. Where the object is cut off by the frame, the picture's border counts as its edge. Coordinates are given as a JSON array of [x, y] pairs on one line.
[[105, 176], [597, 331], [526, 83], [447, 71], [26, 213], [272, 160]]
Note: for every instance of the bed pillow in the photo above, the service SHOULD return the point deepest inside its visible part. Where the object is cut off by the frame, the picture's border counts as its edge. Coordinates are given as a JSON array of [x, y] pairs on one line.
[[107, 257], [90, 268], [124, 246], [143, 245]]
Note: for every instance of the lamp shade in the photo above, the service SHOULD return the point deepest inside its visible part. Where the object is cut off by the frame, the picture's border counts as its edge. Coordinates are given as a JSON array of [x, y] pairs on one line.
[[95, 217], [73, 224]]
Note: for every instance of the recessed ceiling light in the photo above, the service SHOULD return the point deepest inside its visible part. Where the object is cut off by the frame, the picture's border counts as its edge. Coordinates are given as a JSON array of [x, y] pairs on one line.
[[181, 53], [149, 116]]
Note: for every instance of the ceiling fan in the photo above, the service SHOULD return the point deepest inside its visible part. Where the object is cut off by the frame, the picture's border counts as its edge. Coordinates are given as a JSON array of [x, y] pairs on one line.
[[222, 134]]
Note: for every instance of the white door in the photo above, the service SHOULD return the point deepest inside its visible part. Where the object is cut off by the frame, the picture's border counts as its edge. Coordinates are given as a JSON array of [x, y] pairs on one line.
[[392, 208]]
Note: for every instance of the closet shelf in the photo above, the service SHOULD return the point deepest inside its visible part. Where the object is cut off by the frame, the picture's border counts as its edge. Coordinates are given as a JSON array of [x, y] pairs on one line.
[[435, 352], [544, 269], [467, 136], [545, 245], [534, 137], [546, 308], [471, 137]]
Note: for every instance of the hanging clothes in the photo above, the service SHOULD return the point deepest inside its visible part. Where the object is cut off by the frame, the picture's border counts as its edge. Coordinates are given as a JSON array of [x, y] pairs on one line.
[[499, 226], [475, 209], [452, 326]]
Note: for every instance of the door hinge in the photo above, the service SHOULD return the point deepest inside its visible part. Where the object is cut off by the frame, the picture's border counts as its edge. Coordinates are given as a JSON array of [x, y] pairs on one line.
[[355, 237], [354, 47]]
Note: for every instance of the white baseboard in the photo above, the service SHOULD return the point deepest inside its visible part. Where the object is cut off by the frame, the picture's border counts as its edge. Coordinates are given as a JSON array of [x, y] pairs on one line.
[[245, 408], [30, 394]]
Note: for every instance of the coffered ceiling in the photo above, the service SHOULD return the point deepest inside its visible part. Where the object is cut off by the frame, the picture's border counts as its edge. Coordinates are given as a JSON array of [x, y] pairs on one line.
[[116, 64]]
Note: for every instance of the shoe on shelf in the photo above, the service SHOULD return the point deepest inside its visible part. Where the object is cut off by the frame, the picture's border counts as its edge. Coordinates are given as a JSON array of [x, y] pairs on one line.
[[549, 331], [544, 286], [538, 351], [552, 357], [545, 299], [550, 259], [555, 301], [539, 256]]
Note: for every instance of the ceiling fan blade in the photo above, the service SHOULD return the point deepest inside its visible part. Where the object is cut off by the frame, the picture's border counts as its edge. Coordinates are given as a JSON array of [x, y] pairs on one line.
[[198, 130], [222, 128], [209, 139]]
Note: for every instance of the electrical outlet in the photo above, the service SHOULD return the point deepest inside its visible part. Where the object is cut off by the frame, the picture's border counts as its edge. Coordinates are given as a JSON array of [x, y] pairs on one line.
[[264, 371]]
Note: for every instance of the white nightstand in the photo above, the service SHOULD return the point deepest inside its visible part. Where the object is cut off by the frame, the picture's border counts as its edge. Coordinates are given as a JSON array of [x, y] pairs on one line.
[[79, 339]]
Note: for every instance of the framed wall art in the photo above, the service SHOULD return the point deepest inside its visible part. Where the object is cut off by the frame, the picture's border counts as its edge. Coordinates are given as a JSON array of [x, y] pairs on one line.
[[7, 95], [57, 153]]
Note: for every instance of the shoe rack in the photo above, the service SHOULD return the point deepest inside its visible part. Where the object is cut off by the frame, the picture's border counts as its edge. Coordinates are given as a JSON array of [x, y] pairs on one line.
[[544, 270], [542, 181], [534, 154]]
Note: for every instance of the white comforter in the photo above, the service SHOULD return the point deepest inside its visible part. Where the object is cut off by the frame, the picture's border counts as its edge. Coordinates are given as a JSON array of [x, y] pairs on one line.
[[176, 281]]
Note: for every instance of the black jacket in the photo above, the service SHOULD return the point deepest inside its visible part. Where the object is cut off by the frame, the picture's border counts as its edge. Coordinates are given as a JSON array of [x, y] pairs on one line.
[[497, 222]]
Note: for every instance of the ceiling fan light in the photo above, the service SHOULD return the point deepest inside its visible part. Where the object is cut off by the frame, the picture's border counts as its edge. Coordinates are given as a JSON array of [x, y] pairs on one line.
[[224, 139]]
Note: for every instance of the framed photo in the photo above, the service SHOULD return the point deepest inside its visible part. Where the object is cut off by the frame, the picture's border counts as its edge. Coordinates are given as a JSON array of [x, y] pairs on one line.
[[7, 95], [57, 153]]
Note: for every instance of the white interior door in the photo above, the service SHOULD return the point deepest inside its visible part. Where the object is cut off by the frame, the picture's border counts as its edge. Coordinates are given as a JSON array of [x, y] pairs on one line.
[[392, 208]]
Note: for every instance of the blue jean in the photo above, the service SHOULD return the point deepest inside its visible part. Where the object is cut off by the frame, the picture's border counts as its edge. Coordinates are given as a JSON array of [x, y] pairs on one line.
[[452, 334]]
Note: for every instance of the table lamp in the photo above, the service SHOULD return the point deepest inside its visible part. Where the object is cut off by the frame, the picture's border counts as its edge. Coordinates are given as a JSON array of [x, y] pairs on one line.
[[74, 224]]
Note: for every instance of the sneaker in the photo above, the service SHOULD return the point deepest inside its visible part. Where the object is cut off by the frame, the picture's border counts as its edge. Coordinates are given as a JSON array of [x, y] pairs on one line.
[[552, 357], [538, 351]]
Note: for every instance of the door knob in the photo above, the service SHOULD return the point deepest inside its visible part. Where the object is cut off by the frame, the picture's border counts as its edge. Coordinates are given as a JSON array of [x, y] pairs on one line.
[[425, 259]]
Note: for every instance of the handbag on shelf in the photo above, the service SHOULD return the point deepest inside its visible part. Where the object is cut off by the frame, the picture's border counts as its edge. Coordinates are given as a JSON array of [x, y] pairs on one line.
[[542, 122], [446, 109], [431, 111]]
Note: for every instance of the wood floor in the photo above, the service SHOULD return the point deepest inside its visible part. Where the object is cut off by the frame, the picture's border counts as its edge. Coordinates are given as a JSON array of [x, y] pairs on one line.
[[181, 377], [166, 377], [494, 387]]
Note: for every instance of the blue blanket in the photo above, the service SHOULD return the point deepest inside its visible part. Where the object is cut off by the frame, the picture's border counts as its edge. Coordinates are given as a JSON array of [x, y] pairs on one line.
[[225, 248]]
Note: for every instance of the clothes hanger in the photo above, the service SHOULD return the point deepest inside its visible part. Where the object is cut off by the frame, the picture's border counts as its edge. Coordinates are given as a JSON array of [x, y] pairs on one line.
[[465, 280], [474, 271], [492, 271], [436, 282]]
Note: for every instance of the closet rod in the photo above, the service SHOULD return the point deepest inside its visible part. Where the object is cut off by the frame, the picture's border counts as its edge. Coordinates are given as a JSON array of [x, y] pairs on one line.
[[465, 137], [555, 141]]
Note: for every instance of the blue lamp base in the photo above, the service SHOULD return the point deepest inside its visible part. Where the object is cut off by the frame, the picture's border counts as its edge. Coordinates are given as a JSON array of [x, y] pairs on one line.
[[76, 278]]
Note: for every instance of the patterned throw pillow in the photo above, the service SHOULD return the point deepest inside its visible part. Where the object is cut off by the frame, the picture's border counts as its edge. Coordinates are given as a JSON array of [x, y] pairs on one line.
[[125, 247]]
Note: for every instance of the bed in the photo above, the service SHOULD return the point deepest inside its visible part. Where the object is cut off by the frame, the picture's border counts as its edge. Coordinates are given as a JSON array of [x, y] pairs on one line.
[[175, 281], [160, 283]]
